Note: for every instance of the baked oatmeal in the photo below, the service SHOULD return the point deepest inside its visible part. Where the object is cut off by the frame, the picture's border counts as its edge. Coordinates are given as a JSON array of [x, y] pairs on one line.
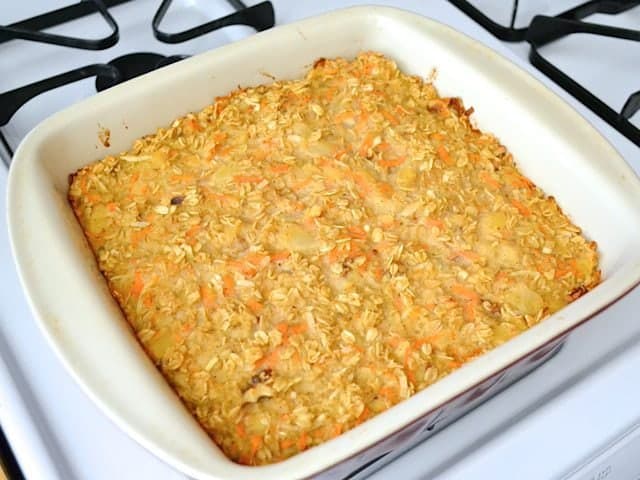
[[298, 257]]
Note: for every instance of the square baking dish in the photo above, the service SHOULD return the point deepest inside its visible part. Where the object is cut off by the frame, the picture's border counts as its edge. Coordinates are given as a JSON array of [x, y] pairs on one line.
[[551, 143]]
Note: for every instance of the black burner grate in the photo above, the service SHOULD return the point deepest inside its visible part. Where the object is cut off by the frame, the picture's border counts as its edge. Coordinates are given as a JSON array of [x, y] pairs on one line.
[[508, 33], [260, 17], [545, 30], [31, 29]]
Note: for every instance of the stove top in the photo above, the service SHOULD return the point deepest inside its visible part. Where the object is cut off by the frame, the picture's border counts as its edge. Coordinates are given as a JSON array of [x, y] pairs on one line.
[[57, 432]]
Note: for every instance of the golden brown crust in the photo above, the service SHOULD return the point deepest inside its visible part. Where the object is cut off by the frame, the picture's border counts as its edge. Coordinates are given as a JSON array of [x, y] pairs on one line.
[[299, 257]]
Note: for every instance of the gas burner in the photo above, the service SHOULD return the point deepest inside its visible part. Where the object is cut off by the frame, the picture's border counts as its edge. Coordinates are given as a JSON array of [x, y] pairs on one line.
[[260, 17], [131, 66], [544, 30], [31, 29], [507, 33]]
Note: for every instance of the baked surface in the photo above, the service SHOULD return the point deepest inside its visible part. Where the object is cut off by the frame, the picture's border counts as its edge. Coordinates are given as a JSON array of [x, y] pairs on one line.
[[299, 257]]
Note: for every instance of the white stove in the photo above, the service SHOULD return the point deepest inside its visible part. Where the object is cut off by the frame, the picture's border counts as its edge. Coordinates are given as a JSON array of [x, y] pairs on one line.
[[576, 417]]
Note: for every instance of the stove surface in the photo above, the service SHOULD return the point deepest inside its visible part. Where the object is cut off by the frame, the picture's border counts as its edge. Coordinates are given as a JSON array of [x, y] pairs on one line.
[[566, 411]]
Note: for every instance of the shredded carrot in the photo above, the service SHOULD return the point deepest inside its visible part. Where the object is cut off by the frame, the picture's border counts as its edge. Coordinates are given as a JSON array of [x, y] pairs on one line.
[[337, 429], [283, 328], [330, 93], [220, 151], [366, 144], [501, 275], [363, 122], [467, 254], [325, 162], [247, 179], [192, 231], [363, 416], [437, 136], [279, 168], [378, 273], [296, 358], [397, 301], [339, 153], [566, 267], [489, 180], [385, 189], [303, 441], [256, 443], [187, 327], [194, 125], [363, 183], [393, 162], [243, 267], [228, 285], [357, 232], [255, 258], [241, 430], [111, 207], [354, 251], [471, 300], [394, 341], [181, 179], [521, 208], [218, 196], [388, 393], [443, 154], [286, 443], [296, 187], [434, 222], [334, 255], [255, 305], [469, 311], [400, 110], [208, 296], [346, 116], [138, 284], [390, 117], [147, 300], [269, 360], [279, 256], [298, 328], [518, 181], [408, 372], [466, 293], [93, 197], [219, 137], [83, 182]]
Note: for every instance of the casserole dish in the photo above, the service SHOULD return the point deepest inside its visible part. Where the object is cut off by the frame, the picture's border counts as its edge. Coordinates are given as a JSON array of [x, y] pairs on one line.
[[553, 146]]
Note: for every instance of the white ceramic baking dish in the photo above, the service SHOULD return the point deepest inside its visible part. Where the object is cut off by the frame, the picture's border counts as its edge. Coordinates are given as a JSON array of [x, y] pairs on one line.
[[553, 145]]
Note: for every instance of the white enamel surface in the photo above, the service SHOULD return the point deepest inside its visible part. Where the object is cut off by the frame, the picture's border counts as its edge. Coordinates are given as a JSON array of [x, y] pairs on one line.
[[553, 145]]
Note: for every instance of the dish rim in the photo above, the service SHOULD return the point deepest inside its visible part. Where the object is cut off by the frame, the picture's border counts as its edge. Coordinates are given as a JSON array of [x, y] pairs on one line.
[[26, 156]]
